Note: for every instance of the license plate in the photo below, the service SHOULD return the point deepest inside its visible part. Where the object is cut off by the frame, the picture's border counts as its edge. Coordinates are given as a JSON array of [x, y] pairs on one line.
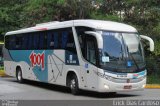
[[128, 87]]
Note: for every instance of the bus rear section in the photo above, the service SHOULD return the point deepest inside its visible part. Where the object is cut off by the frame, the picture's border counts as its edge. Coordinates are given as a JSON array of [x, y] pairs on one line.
[[46, 56]]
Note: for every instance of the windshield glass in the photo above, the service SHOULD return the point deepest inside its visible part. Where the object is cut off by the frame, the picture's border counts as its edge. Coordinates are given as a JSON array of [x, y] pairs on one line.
[[122, 52]]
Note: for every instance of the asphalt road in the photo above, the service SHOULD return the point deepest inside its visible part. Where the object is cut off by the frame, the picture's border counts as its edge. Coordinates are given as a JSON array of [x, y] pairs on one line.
[[10, 89]]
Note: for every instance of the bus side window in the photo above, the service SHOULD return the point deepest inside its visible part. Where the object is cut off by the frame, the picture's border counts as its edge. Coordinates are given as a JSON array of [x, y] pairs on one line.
[[41, 41], [36, 40], [50, 40], [11, 42], [56, 40], [30, 41], [64, 39], [18, 42], [70, 46], [8, 42], [24, 41]]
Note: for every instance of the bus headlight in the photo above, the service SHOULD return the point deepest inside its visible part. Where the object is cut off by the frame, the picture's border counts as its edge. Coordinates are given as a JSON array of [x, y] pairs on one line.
[[104, 76], [100, 74], [108, 77], [106, 86]]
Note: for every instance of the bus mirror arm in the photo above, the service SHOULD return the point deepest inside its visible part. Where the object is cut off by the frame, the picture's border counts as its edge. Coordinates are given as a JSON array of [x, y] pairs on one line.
[[151, 42], [97, 36]]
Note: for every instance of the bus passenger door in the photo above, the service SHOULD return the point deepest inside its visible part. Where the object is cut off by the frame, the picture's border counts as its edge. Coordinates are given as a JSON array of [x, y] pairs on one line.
[[89, 66]]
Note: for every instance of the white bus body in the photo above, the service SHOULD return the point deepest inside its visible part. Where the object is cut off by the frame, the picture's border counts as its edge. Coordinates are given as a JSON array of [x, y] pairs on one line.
[[93, 55]]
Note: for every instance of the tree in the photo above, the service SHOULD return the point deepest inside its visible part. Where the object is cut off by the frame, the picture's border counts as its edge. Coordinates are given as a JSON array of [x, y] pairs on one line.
[[10, 15], [55, 10], [145, 15], [39, 11]]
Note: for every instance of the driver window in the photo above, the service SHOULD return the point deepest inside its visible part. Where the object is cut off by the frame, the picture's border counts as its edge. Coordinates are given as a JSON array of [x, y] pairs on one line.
[[91, 50], [88, 45]]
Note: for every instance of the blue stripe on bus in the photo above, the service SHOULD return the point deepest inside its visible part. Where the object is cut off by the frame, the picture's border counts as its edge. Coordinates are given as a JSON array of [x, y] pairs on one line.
[[23, 55], [42, 74]]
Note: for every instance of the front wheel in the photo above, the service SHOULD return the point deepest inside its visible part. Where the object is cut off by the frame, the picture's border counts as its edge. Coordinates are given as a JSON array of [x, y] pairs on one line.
[[74, 85], [19, 75]]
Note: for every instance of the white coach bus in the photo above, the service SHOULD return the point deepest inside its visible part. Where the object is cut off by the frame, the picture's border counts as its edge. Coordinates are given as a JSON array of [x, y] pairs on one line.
[[95, 55]]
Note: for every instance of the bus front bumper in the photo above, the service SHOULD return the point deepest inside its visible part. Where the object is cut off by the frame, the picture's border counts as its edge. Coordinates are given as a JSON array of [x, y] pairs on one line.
[[109, 86]]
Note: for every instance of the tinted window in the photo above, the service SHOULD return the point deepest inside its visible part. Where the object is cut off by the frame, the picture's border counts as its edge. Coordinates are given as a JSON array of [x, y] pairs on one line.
[[50, 40], [70, 44], [10, 42], [88, 44], [61, 39], [65, 39], [56, 40], [43, 40], [90, 49], [53, 39], [36, 41], [30, 40], [18, 42], [25, 41]]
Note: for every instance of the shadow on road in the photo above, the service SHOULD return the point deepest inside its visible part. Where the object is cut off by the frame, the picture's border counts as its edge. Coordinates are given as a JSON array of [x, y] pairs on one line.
[[63, 89], [105, 95], [82, 92]]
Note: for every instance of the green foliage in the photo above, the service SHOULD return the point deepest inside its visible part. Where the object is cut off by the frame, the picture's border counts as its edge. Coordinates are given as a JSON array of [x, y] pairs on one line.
[[38, 11], [144, 14], [153, 61], [80, 9], [157, 48], [156, 31], [10, 15], [104, 17], [153, 79]]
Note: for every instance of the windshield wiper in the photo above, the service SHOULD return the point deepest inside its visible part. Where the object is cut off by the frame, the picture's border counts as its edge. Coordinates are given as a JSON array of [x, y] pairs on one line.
[[133, 58]]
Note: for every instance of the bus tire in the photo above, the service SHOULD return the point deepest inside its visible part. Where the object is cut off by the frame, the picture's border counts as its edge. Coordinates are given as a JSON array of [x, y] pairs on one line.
[[19, 75], [74, 85]]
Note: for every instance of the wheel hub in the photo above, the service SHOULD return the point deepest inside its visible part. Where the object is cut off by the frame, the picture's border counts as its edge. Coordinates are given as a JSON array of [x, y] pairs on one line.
[[19, 76], [73, 84]]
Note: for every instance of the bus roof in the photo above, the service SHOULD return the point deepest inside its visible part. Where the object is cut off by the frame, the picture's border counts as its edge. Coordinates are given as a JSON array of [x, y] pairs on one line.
[[96, 24]]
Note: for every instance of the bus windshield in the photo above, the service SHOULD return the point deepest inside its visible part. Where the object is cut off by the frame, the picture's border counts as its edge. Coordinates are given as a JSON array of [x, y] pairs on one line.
[[122, 52]]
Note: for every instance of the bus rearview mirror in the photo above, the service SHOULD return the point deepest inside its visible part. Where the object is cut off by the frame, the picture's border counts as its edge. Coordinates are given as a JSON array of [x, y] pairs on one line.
[[97, 36], [151, 42]]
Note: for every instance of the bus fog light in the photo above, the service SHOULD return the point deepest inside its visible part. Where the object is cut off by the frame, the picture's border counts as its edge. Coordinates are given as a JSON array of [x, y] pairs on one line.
[[144, 86], [106, 86]]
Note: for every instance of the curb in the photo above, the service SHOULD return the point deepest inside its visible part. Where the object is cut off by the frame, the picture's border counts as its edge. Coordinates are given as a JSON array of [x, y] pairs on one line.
[[152, 86], [2, 73]]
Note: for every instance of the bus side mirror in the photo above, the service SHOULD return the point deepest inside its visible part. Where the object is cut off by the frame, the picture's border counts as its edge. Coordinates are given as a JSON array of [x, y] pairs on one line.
[[97, 36], [151, 42]]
